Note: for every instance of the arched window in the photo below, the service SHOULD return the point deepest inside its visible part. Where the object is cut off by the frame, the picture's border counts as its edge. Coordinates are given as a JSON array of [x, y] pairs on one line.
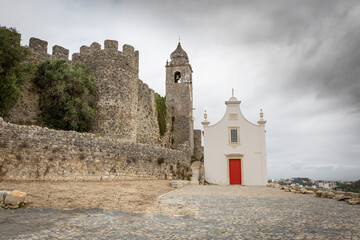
[[177, 77]]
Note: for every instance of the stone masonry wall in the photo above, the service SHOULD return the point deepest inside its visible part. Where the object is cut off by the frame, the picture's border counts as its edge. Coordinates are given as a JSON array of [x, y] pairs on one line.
[[125, 108], [198, 150], [179, 100], [117, 74], [35, 153], [26, 110], [182, 133], [146, 116]]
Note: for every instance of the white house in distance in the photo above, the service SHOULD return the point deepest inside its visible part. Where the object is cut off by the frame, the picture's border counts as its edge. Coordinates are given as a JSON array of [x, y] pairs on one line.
[[234, 148]]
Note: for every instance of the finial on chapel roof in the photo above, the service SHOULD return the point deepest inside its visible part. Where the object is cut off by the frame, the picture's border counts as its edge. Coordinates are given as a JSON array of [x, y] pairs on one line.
[[261, 121], [205, 122], [233, 98]]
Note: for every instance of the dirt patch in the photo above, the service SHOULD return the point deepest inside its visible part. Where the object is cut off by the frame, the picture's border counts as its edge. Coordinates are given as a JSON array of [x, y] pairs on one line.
[[132, 196]]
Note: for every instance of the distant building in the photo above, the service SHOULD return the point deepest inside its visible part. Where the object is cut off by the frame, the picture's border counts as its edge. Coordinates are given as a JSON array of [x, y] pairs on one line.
[[234, 149], [327, 185]]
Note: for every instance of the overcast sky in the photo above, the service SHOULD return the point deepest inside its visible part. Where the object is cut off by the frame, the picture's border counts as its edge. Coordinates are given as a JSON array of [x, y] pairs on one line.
[[298, 60]]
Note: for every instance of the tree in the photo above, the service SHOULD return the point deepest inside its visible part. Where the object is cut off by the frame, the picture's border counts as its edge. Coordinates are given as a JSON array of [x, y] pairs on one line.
[[67, 95], [13, 68], [351, 187]]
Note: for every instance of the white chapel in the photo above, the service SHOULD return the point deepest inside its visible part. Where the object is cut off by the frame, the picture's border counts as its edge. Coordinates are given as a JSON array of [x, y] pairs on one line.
[[234, 148]]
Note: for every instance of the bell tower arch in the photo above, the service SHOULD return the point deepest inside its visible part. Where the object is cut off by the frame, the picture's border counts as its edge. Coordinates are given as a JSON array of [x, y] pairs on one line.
[[179, 98]]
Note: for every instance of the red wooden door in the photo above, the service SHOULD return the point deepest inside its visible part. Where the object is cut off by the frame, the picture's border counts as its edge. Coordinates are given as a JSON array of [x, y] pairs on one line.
[[235, 171]]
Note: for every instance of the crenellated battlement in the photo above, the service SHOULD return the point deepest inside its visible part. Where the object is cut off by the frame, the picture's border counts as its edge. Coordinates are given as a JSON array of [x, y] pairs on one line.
[[60, 52], [128, 57], [37, 45], [111, 45]]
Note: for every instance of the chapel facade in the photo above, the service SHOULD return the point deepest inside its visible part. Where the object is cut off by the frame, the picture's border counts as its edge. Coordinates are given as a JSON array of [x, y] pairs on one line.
[[234, 149]]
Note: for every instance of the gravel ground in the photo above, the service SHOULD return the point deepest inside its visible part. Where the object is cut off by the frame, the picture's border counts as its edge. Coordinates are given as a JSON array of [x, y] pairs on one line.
[[130, 196], [196, 212]]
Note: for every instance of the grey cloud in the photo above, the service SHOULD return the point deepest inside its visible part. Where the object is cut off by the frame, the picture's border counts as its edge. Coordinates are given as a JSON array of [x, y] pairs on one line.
[[329, 64]]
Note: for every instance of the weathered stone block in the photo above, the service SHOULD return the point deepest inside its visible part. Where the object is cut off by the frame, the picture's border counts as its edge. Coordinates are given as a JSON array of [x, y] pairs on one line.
[[354, 195], [38, 45], [324, 194], [353, 201], [318, 193], [14, 198], [128, 49], [84, 50], [179, 183], [111, 45], [95, 46], [60, 52], [3, 195], [330, 195]]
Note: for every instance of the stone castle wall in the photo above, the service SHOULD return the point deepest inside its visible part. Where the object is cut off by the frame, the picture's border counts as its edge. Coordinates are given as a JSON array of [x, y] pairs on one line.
[[117, 74], [126, 105], [146, 116], [35, 153], [125, 142]]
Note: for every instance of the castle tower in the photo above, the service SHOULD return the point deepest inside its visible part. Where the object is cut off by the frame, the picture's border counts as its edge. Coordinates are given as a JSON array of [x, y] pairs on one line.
[[179, 98]]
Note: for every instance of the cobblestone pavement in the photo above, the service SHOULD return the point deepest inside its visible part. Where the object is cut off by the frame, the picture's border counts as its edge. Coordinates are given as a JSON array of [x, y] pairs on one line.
[[211, 212]]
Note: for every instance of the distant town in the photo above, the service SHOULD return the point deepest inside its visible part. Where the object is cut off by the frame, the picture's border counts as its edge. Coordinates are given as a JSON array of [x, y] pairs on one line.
[[348, 186]]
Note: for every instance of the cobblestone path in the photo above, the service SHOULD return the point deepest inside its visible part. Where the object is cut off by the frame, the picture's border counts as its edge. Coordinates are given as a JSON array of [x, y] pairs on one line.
[[211, 212]]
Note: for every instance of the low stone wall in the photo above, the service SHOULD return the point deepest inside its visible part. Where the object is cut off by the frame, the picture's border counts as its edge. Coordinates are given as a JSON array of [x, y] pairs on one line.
[[35, 153]]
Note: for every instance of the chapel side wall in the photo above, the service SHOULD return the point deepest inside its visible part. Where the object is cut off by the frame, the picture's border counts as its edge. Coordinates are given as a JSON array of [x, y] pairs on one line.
[[35, 153], [252, 170], [215, 161]]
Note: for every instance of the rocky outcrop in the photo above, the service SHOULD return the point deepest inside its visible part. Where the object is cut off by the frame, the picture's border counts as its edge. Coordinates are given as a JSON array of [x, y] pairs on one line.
[[349, 197]]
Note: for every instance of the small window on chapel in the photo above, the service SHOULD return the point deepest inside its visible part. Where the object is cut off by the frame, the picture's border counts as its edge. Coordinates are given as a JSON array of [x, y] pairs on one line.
[[177, 77], [234, 136]]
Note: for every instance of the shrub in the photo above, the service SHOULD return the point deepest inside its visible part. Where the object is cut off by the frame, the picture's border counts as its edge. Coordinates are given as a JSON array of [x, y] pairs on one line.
[[13, 69], [160, 105], [193, 159], [67, 95]]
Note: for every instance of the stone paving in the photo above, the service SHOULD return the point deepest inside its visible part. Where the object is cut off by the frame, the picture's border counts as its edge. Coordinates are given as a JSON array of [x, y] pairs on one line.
[[202, 212]]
